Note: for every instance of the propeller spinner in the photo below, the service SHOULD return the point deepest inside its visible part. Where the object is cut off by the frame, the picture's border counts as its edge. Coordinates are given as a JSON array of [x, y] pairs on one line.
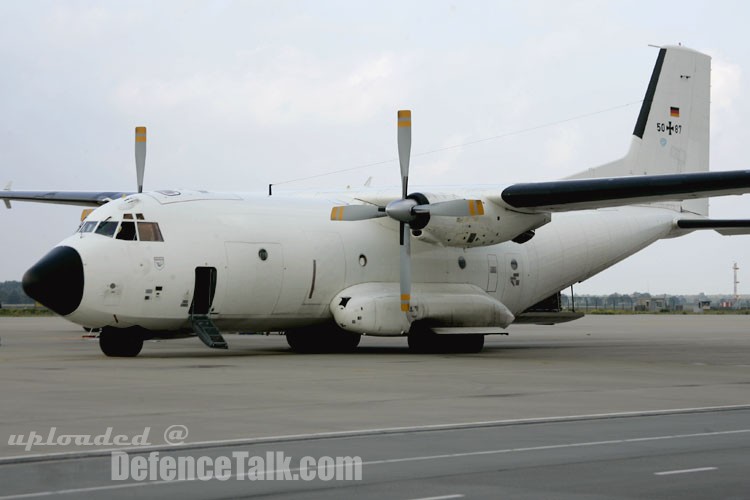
[[410, 210]]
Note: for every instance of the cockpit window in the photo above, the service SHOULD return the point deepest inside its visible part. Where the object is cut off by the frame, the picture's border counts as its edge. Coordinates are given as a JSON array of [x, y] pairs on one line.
[[127, 231], [107, 228], [149, 231], [88, 226], [130, 229]]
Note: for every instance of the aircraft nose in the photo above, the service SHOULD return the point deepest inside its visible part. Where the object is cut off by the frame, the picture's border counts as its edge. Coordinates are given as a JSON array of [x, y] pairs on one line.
[[56, 280]]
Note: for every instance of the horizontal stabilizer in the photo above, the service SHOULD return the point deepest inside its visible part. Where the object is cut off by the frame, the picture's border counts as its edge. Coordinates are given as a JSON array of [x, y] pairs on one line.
[[582, 194], [727, 227]]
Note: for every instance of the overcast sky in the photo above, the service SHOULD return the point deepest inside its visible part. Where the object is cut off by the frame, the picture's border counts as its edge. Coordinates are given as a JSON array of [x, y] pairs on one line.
[[237, 95]]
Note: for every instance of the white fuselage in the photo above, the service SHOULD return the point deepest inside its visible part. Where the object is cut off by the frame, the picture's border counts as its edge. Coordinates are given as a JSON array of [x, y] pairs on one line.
[[309, 259]]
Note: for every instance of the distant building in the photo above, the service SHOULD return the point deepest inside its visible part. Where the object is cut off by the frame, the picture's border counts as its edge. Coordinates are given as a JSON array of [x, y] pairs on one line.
[[650, 304], [702, 305]]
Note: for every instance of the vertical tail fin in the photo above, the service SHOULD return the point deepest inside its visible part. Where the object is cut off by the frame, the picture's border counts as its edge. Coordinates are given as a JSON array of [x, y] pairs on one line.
[[672, 132]]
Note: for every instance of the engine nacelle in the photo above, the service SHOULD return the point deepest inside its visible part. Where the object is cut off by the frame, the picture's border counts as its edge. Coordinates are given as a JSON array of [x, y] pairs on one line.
[[375, 308], [496, 226]]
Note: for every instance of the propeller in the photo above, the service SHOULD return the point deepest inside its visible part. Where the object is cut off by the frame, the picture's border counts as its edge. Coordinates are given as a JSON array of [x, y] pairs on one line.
[[140, 155], [411, 211], [401, 208]]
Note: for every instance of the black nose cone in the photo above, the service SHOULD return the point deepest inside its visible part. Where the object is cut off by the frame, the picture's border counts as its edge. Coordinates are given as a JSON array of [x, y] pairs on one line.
[[57, 280]]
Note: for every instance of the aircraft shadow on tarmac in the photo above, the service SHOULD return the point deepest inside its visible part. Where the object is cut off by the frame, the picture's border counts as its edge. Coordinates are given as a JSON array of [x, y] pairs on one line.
[[237, 349]]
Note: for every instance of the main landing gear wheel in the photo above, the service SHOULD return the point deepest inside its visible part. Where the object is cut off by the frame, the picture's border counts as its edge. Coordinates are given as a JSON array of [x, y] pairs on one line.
[[425, 341], [121, 342], [322, 339]]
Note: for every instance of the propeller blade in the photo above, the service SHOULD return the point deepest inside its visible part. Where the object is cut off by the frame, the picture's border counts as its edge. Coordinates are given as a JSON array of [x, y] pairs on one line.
[[357, 212], [404, 148], [452, 208], [405, 271], [140, 155]]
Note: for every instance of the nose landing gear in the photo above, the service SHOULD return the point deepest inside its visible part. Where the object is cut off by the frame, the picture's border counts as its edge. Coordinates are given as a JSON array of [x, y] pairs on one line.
[[121, 342]]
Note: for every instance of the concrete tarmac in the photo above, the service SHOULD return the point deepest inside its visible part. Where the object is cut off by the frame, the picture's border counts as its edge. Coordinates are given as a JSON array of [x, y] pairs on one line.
[[683, 455], [52, 377]]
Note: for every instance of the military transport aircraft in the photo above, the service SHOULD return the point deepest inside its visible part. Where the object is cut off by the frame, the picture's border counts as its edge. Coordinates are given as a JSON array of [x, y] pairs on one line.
[[443, 268]]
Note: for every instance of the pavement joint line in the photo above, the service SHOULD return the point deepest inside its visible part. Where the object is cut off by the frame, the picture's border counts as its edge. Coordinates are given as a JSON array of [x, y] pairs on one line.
[[199, 445]]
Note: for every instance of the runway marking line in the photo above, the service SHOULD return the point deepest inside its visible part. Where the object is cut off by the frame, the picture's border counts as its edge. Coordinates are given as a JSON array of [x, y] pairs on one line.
[[366, 432], [684, 471], [444, 497], [384, 461]]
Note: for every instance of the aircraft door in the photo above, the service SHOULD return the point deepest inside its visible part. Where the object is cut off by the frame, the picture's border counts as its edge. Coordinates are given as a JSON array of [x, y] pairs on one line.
[[513, 279], [255, 272], [205, 289], [327, 267], [492, 273]]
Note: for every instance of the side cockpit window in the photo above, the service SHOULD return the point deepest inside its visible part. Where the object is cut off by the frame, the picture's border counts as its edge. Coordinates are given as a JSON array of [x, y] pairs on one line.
[[149, 231], [107, 228], [87, 226]]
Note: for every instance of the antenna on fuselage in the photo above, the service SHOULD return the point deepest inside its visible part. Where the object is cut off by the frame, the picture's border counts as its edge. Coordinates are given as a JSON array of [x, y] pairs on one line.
[[140, 155]]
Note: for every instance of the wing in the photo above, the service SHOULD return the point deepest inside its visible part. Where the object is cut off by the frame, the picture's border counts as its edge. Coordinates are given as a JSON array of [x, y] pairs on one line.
[[584, 194], [80, 198]]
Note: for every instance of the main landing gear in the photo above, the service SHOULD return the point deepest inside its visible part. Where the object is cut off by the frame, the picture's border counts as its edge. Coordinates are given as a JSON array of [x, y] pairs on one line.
[[329, 338], [323, 338], [423, 340]]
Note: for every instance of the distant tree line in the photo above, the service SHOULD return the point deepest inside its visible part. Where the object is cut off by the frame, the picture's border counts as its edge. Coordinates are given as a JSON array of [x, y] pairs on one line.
[[11, 292], [645, 301]]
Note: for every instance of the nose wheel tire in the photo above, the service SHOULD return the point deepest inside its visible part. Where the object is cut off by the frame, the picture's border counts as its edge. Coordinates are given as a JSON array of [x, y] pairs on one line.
[[120, 342]]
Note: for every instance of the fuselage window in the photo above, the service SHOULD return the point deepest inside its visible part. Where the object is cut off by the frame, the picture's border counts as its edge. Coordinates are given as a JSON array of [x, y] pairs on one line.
[[88, 226], [127, 216], [107, 228], [149, 231], [127, 231]]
